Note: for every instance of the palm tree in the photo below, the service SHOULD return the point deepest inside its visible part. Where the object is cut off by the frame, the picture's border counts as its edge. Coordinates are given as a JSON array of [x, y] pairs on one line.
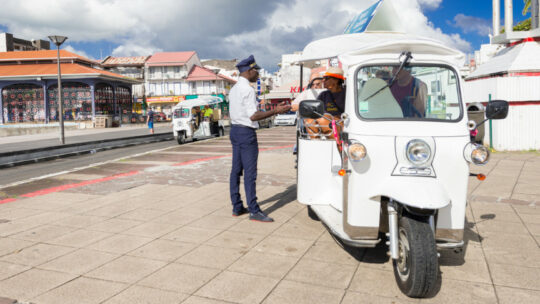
[[526, 7]]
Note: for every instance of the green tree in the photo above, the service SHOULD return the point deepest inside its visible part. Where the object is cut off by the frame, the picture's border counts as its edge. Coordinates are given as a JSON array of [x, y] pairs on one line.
[[524, 25], [526, 7]]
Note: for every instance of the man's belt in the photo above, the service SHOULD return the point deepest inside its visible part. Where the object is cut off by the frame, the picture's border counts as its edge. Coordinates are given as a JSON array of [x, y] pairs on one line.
[[242, 126]]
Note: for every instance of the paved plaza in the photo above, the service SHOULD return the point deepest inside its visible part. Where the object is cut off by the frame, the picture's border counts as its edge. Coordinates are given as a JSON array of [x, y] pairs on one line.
[[157, 228]]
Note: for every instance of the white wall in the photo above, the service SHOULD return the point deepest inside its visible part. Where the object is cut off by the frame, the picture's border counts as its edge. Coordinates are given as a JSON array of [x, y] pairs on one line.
[[520, 131], [518, 88]]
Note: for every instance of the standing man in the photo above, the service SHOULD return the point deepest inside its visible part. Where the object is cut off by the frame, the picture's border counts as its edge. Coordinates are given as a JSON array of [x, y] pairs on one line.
[[244, 117], [150, 120], [207, 113]]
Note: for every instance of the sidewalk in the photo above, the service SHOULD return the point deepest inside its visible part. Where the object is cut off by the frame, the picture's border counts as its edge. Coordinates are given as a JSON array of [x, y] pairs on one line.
[[34, 141], [157, 228]]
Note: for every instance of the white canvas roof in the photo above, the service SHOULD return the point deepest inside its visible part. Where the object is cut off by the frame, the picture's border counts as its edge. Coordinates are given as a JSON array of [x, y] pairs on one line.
[[354, 48], [201, 101], [523, 57]]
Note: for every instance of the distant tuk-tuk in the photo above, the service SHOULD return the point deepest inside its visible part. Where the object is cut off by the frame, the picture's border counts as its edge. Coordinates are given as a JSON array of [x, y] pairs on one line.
[[190, 123], [394, 168]]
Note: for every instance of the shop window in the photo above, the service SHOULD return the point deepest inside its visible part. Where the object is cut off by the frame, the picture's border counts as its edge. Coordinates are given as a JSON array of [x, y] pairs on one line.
[[104, 98], [76, 99], [23, 103], [125, 104]]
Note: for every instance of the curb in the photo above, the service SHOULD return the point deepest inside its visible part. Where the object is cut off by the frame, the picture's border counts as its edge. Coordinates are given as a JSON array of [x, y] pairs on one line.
[[21, 157]]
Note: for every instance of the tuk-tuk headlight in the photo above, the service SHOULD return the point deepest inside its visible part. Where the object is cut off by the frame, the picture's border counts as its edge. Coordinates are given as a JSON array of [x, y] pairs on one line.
[[479, 154], [357, 151], [418, 152]]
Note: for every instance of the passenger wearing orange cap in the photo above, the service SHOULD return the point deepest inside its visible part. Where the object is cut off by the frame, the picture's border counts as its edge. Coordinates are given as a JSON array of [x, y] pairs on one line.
[[334, 96]]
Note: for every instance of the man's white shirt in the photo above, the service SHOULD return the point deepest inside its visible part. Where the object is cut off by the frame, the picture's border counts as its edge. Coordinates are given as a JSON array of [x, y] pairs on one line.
[[243, 104]]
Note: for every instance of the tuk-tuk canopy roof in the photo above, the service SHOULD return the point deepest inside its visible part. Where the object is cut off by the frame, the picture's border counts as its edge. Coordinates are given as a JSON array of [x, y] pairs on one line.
[[201, 101], [352, 49]]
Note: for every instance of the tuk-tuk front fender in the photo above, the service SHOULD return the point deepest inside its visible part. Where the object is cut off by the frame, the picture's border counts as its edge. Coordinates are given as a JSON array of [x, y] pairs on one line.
[[418, 192]]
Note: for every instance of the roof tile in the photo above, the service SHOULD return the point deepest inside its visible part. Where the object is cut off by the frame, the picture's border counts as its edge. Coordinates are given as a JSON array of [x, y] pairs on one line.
[[168, 57]]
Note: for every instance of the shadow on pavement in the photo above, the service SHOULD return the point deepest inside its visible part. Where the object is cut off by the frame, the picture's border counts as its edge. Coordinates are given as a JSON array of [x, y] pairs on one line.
[[283, 198]]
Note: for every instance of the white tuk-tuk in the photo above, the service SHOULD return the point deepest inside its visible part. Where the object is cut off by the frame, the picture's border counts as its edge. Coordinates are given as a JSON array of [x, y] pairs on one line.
[[189, 123], [397, 169]]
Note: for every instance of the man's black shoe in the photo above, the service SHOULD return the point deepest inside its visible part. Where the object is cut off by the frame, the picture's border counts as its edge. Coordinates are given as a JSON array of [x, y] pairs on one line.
[[240, 212], [260, 217]]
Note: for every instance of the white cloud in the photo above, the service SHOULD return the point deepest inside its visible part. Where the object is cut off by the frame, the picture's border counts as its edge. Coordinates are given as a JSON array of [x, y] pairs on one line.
[[470, 24], [430, 4], [69, 48], [213, 28]]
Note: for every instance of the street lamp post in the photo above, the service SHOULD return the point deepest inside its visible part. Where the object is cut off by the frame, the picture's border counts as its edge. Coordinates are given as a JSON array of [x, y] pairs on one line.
[[58, 40]]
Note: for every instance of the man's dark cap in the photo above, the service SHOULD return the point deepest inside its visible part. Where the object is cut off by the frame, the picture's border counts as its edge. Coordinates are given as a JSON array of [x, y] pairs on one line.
[[247, 64]]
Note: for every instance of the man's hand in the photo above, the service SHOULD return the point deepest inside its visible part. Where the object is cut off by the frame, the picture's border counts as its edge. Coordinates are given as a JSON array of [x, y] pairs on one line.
[[279, 109], [282, 108]]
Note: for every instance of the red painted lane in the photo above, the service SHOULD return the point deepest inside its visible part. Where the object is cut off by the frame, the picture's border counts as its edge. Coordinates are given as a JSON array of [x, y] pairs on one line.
[[104, 179], [7, 200], [277, 148], [190, 162], [70, 186]]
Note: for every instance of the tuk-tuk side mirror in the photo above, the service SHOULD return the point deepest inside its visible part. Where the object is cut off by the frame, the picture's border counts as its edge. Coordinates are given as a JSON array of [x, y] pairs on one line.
[[311, 109], [497, 109]]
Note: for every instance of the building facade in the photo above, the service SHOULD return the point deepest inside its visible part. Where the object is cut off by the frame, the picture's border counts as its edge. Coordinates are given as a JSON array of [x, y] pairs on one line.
[[131, 67], [172, 77], [8, 43], [29, 88]]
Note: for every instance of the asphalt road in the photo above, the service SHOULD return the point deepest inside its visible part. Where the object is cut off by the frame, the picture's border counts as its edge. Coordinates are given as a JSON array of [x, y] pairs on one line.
[[25, 172]]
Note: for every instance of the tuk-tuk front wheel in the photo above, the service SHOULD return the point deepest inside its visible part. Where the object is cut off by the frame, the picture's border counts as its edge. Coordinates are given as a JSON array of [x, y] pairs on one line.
[[417, 268], [181, 138]]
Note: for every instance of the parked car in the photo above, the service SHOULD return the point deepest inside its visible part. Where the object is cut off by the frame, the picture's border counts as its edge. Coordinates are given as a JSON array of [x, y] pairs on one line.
[[286, 119], [160, 116]]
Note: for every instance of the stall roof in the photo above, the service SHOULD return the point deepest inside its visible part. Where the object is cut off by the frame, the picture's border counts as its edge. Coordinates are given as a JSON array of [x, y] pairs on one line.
[[123, 61], [352, 48], [201, 101], [49, 71], [523, 57], [199, 73], [42, 55], [278, 95], [170, 58]]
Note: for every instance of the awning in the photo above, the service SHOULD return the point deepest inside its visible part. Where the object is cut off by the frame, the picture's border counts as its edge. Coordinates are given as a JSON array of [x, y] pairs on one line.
[[165, 99]]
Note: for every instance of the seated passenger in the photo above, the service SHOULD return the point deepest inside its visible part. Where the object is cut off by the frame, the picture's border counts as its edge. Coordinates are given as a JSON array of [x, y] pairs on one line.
[[334, 96], [334, 104], [410, 92], [312, 92]]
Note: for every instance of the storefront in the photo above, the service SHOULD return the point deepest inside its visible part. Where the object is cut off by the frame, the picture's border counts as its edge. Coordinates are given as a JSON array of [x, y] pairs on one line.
[[164, 104], [29, 90]]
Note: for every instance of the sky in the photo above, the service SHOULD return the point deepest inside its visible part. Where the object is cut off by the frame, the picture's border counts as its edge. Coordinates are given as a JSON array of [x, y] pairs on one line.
[[232, 29]]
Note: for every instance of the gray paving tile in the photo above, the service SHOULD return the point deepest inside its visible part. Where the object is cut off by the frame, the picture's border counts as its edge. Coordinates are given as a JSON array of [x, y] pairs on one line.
[[179, 278], [213, 257], [264, 265], [146, 295], [301, 293], [32, 283], [81, 291], [126, 269], [238, 287]]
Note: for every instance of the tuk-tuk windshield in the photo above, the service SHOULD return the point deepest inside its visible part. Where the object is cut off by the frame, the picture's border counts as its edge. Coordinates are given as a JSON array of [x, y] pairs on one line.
[[417, 93], [182, 113]]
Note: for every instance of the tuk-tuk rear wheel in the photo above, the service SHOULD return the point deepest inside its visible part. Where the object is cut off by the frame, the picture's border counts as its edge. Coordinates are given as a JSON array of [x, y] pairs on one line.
[[181, 138], [417, 268]]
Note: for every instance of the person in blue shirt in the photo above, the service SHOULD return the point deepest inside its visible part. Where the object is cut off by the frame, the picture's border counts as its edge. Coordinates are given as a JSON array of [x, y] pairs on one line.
[[150, 120]]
